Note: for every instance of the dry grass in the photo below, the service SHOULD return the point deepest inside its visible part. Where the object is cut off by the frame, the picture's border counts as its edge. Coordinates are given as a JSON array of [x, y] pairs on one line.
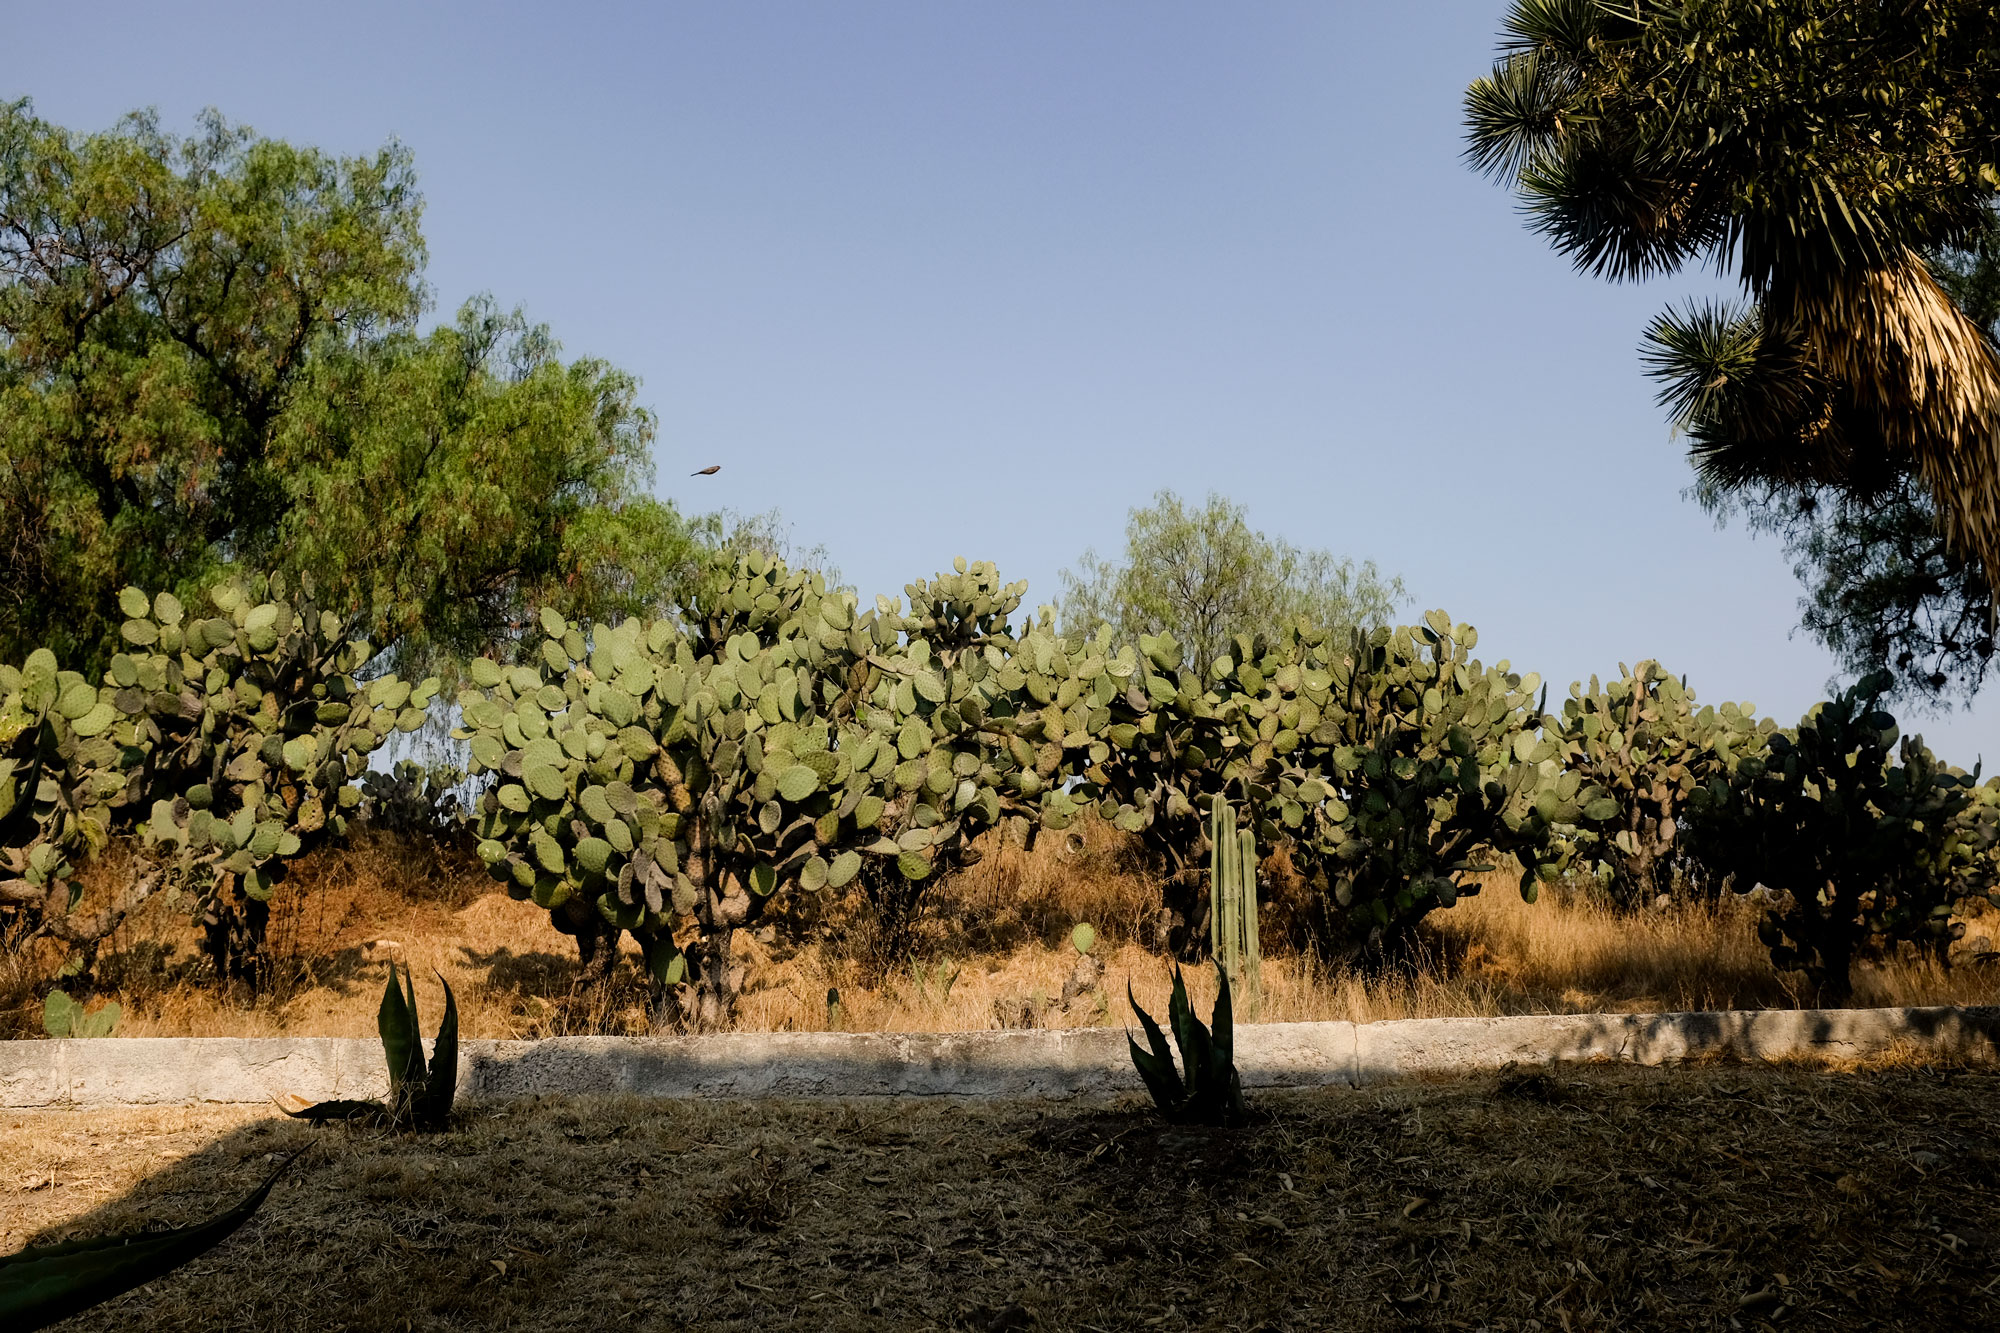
[[994, 953], [1586, 1199]]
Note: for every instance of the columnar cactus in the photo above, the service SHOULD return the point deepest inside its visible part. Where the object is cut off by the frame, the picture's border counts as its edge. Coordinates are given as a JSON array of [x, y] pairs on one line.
[[1644, 745], [1873, 839], [1232, 876], [249, 729], [650, 773]]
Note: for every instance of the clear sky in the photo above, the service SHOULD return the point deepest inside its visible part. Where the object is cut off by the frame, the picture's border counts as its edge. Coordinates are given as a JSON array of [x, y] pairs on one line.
[[942, 279]]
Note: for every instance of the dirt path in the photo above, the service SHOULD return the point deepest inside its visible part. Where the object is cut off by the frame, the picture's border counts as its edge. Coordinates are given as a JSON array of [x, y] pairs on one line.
[[1597, 1199]]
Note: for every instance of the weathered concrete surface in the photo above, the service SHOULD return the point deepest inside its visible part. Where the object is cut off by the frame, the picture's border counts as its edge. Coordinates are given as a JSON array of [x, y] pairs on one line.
[[1385, 1051], [178, 1071]]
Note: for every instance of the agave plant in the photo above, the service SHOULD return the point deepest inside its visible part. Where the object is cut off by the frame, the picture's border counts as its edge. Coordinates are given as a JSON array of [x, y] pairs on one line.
[[1205, 1090], [45, 1284], [420, 1091]]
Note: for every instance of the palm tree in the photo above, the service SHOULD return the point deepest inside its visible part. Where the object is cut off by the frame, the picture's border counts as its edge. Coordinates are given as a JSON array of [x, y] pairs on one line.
[[1820, 149]]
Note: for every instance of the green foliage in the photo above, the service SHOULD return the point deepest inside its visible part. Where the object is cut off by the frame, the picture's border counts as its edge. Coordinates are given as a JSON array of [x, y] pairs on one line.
[[1083, 937], [776, 740], [1790, 137], [1205, 1090], [162, 304], [45, 1284], [1204, 575], [450, 484], [1649, 754], [1875, 841], [209, 361], [63, 1017], [1232, 916]]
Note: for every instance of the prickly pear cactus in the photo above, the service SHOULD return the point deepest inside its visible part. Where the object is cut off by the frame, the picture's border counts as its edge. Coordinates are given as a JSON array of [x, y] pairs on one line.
[[1977, 846], [648, 774], [1872, 838], [1176, 742], [59, 771], [253, 727], [1440, 768], [1642, 742], [413, 798], [977, 706]]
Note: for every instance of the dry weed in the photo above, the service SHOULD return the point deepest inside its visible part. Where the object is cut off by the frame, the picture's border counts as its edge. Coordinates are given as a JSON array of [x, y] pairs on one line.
[[994, 952]]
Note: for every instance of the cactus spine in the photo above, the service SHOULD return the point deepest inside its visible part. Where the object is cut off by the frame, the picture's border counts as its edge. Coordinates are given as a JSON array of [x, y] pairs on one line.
[[1232, 915]]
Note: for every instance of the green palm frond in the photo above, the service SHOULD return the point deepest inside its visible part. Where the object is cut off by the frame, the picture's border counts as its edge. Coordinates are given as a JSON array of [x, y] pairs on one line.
[[1617, 209], [1756, 408], [1567, 28], [1514, 115]]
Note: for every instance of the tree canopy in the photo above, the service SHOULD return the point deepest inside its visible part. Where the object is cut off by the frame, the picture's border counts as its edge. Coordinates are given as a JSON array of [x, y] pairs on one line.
[[1203, 574], [1819, 149], [210, 360]]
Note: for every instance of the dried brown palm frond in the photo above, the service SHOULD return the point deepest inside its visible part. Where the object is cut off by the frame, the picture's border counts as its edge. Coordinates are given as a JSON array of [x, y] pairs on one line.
[[1930, 379]]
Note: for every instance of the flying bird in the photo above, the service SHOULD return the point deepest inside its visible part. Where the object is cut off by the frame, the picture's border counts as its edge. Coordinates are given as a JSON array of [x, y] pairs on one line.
[[708, 471]]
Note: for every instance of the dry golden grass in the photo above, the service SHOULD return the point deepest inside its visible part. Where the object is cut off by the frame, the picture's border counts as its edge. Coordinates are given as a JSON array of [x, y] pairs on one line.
[[1585, 1199], [994, 952]]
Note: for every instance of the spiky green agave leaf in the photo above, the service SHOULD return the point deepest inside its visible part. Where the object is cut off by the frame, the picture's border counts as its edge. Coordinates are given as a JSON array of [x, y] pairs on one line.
[[46, 1283], [431, 1107]]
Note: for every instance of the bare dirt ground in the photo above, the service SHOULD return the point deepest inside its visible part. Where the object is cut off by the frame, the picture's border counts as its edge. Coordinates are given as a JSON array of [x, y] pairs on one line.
[[1594, 1198]]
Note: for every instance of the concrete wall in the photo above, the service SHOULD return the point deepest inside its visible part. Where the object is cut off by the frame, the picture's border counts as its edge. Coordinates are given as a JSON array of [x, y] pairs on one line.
[[156, 1071]]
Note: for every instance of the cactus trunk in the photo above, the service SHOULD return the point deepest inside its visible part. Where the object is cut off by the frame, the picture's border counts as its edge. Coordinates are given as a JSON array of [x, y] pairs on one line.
[[1233, 904]]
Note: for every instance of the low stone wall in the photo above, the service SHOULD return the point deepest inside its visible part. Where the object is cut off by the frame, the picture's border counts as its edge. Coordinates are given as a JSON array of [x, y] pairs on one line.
[[166, 1071]]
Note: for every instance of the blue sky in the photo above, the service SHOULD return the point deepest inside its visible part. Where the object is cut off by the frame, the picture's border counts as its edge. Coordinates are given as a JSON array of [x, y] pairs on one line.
[[944, 279]]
